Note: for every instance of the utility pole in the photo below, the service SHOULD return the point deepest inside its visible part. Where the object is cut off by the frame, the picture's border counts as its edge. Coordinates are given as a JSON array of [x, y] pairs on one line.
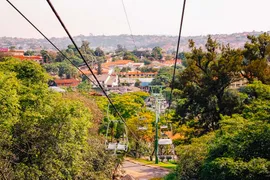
[[156, 127], [156, 92]]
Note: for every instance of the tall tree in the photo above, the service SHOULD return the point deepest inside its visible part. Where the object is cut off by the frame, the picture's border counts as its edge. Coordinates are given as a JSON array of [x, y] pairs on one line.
[[99, 52], [257, 58], [204, 82], [157, 53], [99, 70]]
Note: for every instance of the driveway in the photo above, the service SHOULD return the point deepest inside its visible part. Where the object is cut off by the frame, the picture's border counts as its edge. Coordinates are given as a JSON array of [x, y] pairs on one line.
[[143, 172]]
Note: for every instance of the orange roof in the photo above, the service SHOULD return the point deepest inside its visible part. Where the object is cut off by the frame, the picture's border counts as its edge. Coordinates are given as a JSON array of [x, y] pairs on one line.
[[28, 57], [87, 72], [67, 82], [117, 62], [137, 72]]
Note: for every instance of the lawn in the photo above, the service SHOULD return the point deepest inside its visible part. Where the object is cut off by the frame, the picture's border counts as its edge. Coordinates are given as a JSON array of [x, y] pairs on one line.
[[167, 165]]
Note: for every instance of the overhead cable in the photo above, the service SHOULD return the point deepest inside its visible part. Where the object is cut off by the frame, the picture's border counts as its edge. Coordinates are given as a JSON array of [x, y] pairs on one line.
[[177, 51], [72, 40], [51, 42], [126, 14]]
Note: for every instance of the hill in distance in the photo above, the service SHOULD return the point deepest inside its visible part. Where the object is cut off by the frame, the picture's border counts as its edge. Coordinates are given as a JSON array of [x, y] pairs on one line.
[[109, 43]]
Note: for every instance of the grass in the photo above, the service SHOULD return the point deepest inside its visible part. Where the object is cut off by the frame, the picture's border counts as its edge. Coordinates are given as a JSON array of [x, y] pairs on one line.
[[167, 165]]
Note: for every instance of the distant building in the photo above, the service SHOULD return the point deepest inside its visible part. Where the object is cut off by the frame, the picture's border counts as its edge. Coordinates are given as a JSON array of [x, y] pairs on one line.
[[238, 84], [67, 82], [19, 54], [107, 80], [138, 74]]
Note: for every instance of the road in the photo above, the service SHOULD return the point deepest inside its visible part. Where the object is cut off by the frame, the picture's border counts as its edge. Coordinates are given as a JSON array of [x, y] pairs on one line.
[[143, 172]]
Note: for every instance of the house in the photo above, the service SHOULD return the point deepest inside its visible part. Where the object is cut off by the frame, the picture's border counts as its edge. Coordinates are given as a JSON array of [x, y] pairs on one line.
[[137, 74], [118, 63], [67, 82], [19, 54], [238, 84], [38, 59], [107, 80]]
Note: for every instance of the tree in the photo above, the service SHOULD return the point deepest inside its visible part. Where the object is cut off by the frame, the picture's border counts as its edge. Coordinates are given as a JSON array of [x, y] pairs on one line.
[[164, 76], [67, 70], [99, 70], [256, 62], [125, 69], [157, 53], [45, 135], [137, 83], [147, 62], [130, 56], [120, 48], [239, 149], [45, 56], [84, 86], [12, 48], [99, 52], [204, 85], [29, 53]]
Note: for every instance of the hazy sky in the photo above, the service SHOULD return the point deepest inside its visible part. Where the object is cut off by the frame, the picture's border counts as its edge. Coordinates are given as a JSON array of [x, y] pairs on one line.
[[159, 17]]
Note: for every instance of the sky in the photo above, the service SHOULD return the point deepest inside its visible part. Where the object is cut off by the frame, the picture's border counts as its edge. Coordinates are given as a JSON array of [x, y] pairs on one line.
[[147, 17]]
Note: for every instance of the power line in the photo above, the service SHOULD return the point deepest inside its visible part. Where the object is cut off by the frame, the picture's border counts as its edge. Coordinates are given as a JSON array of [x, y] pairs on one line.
[[49, 41], [124, 7], [72, 40], [177, 51]]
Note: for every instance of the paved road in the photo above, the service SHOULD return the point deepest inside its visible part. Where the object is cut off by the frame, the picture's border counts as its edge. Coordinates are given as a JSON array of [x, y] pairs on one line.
[[142, 172]]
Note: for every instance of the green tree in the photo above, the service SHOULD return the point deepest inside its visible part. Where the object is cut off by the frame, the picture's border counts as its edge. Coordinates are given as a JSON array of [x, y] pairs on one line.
[[99, 70], [157, 53], [137, 83], [45, 135], [130, 56], [84, 86], [67, 70], [45, 56], [256, 62], [204, 85], [120, 48], [239, 149], [99, 52], [29, 53]]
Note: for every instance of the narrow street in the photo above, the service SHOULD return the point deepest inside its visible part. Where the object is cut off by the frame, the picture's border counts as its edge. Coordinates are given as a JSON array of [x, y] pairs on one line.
[[143, 172]]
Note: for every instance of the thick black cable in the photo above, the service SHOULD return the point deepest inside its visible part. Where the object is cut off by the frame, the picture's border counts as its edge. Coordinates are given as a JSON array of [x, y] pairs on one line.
[[72, 40], [177, 51], [50, 41], [125, 10]]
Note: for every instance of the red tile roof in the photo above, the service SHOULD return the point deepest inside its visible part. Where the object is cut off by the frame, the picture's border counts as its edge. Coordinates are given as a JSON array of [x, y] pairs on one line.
[[67, 82], [28, 57]]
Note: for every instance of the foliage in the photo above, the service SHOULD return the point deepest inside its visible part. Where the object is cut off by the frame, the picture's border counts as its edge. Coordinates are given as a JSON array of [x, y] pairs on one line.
[[29, 53], [239, 149], [62, 69], [164, 76], [99, 69], [99, 52], [192, 156], [147, 69], [203, 84], [157, 53], [120, 48], [147, 62], [257, 56], [84, 86], [130, 56], [137, 83], [44, 135], [125, 69]]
